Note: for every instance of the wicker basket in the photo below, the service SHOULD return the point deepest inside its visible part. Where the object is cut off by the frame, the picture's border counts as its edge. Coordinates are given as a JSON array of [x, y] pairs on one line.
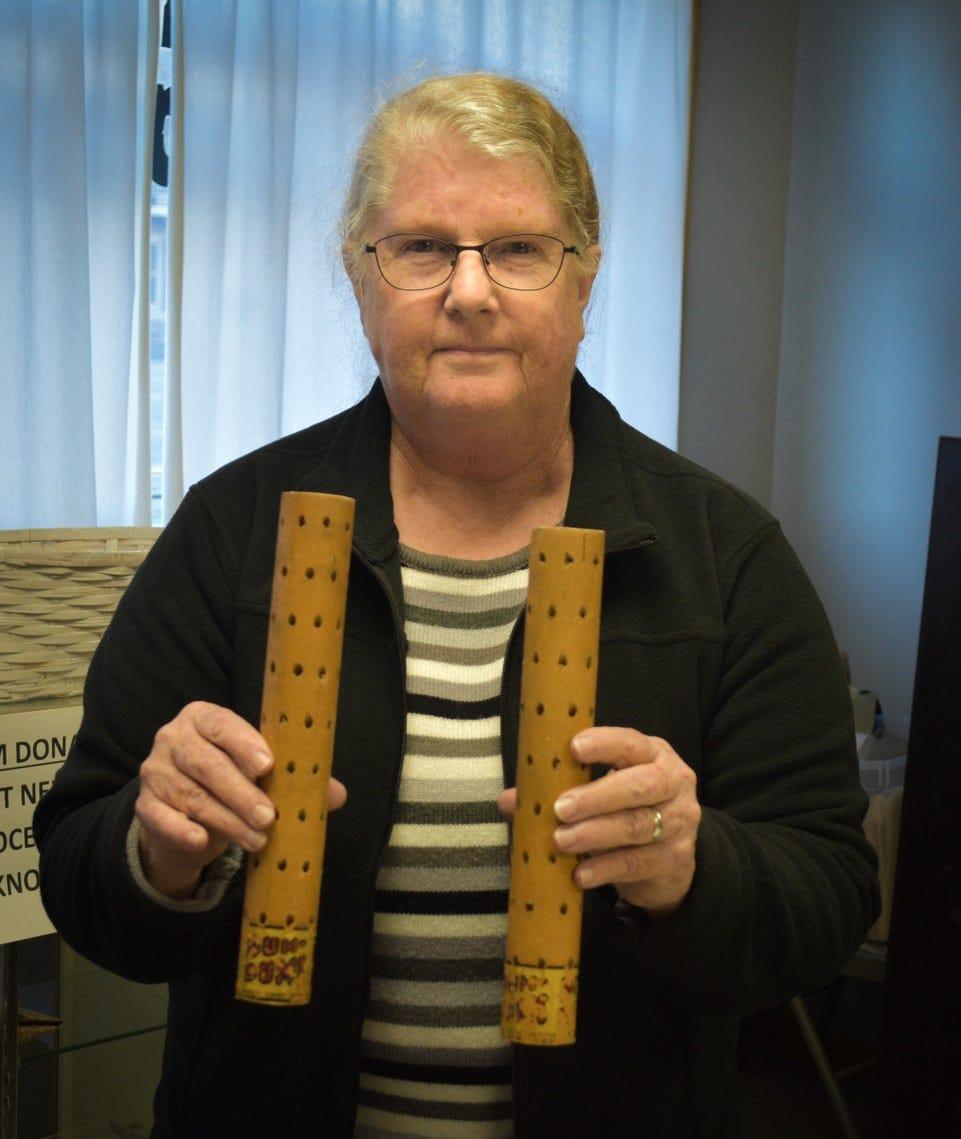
[[58, 590]]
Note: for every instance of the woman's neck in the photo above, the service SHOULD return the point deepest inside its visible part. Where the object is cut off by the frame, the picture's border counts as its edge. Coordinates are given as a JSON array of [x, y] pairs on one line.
[[478, 503]]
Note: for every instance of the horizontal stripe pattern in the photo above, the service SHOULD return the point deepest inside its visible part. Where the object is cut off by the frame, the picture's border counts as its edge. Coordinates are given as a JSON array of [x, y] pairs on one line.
[[442, 1092], [485, 878], [439, 1075], [441, 856], [443, 787], [457, 993], [374, 1124], [469, 702], [466, 1059], [446, 813], [451, 949], [447, 969], [441, 901], [439, 1108], [433, 1061]]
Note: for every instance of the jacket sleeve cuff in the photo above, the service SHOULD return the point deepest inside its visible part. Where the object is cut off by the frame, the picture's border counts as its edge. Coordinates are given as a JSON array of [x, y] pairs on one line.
[[711, 912], [213, 884]]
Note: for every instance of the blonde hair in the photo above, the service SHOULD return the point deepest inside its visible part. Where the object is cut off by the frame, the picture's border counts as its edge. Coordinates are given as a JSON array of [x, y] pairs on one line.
[[499, 117]]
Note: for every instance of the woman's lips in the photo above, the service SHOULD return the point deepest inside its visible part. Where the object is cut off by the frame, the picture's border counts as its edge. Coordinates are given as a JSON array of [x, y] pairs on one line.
[[456, 350]]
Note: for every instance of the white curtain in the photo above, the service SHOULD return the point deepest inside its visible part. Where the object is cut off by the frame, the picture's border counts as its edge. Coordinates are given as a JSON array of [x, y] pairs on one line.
[[273, 97], [76, 104]]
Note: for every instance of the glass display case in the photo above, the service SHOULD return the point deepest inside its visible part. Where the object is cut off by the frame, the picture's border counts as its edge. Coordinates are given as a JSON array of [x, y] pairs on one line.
[[92, 1076]]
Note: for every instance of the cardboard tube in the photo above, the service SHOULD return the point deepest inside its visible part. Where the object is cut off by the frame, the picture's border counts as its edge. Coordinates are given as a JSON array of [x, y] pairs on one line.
[[558, 689], [298, 716]]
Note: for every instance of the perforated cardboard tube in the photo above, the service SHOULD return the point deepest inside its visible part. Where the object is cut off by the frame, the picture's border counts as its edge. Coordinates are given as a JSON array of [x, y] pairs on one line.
[[558, 689], [298, 717]]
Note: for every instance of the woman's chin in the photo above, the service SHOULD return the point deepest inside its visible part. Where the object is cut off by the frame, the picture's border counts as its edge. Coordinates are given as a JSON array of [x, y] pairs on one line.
[[491, 386]]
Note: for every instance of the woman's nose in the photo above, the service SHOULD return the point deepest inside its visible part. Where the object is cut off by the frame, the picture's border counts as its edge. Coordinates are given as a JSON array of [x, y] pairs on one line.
[[469, 288]]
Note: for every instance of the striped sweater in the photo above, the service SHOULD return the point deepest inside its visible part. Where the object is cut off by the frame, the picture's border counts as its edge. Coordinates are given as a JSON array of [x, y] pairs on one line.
[[433, 1061]]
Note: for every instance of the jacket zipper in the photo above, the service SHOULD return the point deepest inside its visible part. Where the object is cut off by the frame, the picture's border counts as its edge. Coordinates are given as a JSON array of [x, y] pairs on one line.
[[508, 658], [381, 579]]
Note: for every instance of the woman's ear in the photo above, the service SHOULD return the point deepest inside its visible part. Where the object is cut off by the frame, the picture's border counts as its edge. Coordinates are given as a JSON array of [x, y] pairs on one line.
[[356, 277], [592, 256]]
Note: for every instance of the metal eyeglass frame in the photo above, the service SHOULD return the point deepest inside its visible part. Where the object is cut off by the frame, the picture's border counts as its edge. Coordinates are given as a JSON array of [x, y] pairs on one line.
[[459, 249]]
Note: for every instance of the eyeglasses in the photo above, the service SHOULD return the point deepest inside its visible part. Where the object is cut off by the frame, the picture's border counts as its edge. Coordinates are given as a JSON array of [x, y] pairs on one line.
[[526, 261]]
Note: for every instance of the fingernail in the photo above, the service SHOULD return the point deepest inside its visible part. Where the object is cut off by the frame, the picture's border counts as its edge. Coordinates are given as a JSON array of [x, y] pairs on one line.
[[584, 876], [582, 748], [563, 836], [262, 815], [255, 842], [262, 762], [564, 807]]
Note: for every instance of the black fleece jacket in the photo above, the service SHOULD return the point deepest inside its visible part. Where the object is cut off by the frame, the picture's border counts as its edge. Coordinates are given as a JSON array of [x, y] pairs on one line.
[[712, 638]]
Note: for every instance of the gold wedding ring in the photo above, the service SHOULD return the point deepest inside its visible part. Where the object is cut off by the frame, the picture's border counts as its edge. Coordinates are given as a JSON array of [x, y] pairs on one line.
[[658, 824]]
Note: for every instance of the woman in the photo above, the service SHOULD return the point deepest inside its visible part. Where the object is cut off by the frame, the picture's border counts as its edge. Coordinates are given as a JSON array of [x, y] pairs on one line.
[[724, 866]]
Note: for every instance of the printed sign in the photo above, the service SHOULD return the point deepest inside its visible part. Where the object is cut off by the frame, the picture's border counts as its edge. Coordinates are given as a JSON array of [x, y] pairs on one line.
[[33, 745]]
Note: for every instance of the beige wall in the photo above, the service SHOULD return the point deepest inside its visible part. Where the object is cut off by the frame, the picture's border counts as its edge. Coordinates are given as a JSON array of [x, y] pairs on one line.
[[822, 334], [740, 164]]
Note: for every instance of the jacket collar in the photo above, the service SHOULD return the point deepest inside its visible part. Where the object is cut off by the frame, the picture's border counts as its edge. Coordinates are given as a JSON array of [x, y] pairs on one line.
[[357, 462], [600, 495]]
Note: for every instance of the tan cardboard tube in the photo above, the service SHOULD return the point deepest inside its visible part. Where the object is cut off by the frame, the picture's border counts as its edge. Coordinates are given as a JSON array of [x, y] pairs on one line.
[[298, 716], [558, 689]]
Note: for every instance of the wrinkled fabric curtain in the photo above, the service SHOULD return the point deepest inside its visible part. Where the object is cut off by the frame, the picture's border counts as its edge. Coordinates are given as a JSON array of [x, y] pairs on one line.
[[273, 96], [77, 83]]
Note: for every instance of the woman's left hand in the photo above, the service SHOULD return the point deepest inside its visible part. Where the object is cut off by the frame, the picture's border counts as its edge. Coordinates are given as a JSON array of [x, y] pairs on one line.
[[636, 827]]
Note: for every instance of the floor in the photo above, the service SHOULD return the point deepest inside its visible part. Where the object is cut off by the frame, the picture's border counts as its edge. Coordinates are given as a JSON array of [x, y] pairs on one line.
[[781, 1094]]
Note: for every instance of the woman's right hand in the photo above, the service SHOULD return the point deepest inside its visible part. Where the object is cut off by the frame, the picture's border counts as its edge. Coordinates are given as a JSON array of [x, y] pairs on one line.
[[198, 793]]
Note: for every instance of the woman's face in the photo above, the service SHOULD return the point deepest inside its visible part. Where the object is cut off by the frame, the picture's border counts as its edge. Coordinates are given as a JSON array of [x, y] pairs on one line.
[[469, 352]]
